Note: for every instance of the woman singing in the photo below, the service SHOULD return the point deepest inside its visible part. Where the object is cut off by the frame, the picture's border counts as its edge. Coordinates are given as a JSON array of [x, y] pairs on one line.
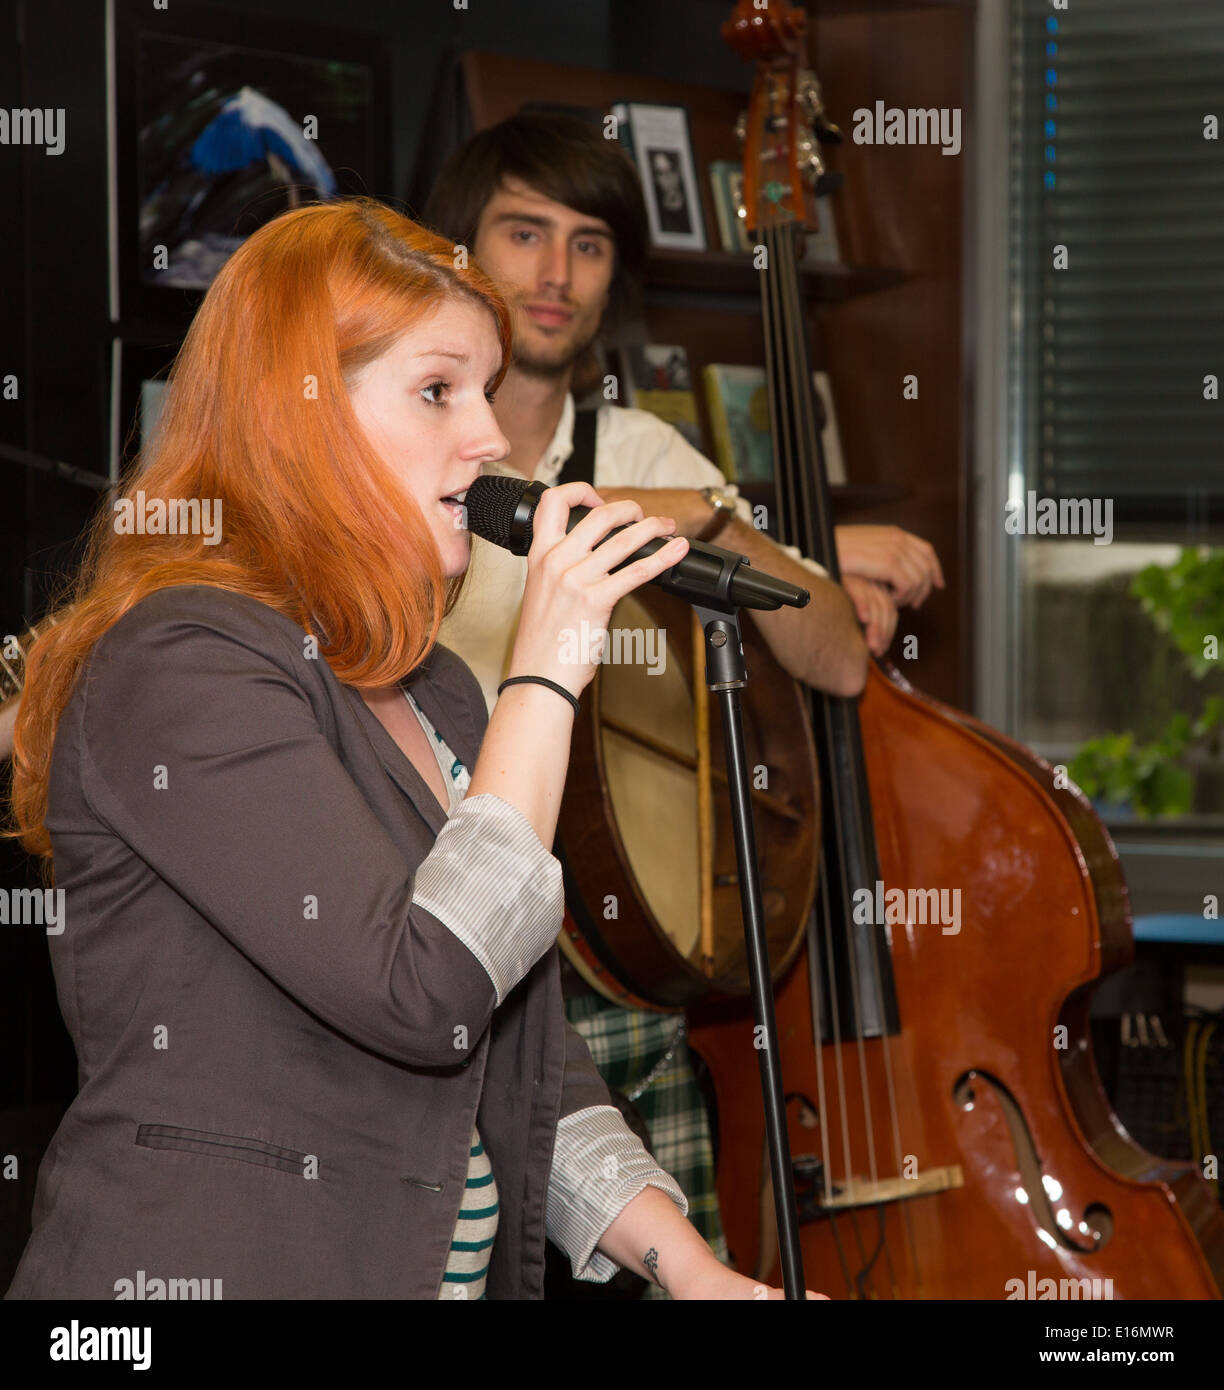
[[308, 905]]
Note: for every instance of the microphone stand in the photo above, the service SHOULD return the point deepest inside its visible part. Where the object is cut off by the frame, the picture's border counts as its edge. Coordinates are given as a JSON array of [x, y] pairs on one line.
[[726, 676], [707, 588]]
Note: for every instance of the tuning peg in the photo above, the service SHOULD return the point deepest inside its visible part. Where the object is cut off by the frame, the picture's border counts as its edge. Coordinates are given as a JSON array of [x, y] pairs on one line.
[[741, 126], [807, 94], [812, 166], [811, 101]]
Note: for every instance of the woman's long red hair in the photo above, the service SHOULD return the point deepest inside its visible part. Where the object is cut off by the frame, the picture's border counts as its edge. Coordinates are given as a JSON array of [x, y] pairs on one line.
[[257, 413]]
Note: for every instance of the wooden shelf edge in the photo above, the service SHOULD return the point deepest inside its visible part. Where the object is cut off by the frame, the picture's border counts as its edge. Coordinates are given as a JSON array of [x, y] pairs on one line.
[[728, 273]]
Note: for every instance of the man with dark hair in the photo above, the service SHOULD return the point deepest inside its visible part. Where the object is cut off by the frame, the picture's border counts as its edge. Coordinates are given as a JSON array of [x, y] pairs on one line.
[[554, 213]]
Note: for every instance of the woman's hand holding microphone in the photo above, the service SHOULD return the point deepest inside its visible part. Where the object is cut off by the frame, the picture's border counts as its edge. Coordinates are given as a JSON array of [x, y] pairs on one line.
[[569, 593]]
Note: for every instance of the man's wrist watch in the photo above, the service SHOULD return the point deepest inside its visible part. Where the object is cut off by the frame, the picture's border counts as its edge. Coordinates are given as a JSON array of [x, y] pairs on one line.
[[724, 509]]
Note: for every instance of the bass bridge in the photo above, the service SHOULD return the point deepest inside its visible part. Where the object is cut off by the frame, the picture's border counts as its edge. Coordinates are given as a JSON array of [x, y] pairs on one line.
[[817, 1198]]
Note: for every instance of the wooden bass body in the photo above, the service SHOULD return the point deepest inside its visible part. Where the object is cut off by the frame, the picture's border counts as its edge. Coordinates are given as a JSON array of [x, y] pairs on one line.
[[973, 1153]]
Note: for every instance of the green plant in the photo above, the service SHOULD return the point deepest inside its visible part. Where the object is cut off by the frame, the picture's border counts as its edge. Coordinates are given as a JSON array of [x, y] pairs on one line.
[[1185, 600]]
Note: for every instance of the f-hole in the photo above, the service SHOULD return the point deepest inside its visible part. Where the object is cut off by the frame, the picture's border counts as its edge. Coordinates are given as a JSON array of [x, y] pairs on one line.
[[1097, 1219]]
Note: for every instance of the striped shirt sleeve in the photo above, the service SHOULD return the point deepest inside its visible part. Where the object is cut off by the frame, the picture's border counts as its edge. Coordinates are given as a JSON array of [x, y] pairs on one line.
[[599, 1166], [489, 879]]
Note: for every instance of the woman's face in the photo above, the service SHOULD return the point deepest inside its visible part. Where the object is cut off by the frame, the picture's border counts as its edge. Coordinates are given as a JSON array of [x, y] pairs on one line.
[[426, 408]]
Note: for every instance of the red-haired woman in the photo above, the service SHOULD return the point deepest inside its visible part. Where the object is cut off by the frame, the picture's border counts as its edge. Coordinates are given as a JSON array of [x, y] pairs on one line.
[[307, 955]]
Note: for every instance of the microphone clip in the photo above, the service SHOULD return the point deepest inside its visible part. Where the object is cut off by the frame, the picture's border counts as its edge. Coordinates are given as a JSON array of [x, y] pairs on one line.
[[707, 577], [519, 542]]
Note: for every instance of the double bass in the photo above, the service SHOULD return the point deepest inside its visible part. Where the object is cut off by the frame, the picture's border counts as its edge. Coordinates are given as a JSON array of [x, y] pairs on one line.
[[950, 1133]]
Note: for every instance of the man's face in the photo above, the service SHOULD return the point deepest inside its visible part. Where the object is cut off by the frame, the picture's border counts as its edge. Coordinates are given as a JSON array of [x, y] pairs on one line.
[[554, 266]]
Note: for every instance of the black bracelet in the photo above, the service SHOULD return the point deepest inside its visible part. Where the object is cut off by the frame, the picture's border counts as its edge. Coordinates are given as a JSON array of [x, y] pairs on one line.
[[541, 680]]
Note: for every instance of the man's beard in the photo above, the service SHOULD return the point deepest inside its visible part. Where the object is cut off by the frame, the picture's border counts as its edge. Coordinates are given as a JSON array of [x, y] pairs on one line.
[[549, 366], [531, 365]]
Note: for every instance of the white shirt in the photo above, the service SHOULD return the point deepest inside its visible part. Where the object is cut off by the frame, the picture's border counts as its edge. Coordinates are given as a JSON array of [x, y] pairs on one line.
[[633, 449]]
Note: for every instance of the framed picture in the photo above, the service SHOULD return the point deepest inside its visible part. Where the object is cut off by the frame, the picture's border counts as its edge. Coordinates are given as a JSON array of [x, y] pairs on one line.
[[658, 139], [220, 121]]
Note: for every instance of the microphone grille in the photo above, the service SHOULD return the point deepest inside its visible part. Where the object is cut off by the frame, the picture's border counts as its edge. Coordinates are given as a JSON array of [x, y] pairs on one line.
[[491, 503]]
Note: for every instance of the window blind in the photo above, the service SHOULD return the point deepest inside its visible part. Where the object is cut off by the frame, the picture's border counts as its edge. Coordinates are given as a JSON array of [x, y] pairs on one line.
[[1109, 159]]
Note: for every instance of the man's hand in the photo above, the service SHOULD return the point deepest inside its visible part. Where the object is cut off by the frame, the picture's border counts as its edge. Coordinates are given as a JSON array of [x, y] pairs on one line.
[[905, 564], [876, 611]]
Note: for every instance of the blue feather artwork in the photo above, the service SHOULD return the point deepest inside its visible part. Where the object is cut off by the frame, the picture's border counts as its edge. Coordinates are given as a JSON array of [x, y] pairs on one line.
[[250, 127]]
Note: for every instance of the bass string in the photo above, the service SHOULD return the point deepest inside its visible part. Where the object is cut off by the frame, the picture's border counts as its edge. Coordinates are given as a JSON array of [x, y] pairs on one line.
[[863, 811], [794, 525], [806, 520], [790, 525], [816, 485], [815, 508], [815, 536], [789, 517]]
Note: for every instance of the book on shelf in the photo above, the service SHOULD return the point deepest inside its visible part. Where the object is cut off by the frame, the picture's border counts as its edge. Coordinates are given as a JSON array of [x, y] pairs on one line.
[[727, 184], [830, 435], [821, 245], [657, 378], [738, 405]]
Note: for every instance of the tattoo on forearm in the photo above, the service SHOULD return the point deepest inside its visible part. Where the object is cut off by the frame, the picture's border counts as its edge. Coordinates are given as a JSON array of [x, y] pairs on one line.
[[651, 1260]]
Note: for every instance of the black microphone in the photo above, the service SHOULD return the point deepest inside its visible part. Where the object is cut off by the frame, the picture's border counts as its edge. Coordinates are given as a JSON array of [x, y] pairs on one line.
[[502, 510]]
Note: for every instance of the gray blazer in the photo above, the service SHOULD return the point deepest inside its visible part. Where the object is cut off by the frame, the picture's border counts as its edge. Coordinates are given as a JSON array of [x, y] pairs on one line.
[[294, 985]]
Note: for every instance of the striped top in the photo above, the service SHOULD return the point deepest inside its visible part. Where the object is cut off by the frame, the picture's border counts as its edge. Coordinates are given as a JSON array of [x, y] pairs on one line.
[[598, 1164], [467, 1265]]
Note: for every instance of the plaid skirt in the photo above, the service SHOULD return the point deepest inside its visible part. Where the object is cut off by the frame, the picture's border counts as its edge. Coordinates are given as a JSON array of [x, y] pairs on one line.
[[631, 1049]]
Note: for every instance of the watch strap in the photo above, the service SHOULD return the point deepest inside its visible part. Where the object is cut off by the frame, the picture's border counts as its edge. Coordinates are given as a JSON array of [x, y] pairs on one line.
[[718, 521]]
